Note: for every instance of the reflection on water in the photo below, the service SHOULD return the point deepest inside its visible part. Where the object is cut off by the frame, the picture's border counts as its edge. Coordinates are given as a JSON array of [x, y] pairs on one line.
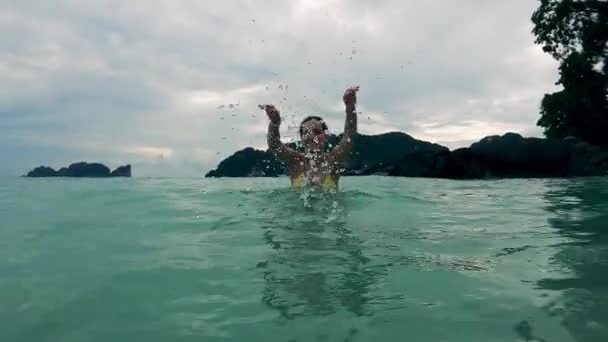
[[319, 265], [580, 211]]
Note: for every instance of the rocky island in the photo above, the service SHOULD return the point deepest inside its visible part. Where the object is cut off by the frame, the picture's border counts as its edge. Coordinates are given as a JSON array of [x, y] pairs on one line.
[[81, 169], [399, 154]]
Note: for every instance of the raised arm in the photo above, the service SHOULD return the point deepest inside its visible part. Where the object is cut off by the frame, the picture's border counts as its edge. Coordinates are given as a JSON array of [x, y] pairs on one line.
[[275, 146], [341, 151]]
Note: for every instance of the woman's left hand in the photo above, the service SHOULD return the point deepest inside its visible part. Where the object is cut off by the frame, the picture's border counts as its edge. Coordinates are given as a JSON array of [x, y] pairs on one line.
[[350, 97]]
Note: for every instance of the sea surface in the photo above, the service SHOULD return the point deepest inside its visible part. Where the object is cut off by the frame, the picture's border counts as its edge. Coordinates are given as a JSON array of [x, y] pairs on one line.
[[385, 259]]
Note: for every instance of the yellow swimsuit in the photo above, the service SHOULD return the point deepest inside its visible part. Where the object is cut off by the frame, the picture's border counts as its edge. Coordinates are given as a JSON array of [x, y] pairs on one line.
[[328, 182]]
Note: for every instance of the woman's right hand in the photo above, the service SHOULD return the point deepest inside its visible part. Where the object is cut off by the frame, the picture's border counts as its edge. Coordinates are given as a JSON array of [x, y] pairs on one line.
[[272, 113]]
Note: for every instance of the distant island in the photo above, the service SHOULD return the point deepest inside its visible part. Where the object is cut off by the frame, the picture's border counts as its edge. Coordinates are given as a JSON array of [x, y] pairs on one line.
[[81, 169], [399, 154]]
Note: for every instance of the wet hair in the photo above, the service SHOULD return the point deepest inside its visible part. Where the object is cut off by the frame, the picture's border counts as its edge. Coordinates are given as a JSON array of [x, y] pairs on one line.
[[312, 117]]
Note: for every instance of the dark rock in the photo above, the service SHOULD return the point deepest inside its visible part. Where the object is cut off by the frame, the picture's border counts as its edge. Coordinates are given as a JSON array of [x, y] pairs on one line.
[[368, 151], [599, 163], [586, 159], [570, 140], [511, 155], [458, 164], [413, 164], [42, 171], [84, 169], [249, 162], [122, 171], [398, 154], [462, 164], [63, 172], [81, 169], [507, 156], [213, 174]]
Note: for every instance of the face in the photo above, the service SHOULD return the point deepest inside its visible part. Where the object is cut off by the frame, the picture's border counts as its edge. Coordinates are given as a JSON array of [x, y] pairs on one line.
[[313, 134]]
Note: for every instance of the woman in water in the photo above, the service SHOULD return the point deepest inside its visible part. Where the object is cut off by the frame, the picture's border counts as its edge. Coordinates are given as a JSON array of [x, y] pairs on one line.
[[314, 167]]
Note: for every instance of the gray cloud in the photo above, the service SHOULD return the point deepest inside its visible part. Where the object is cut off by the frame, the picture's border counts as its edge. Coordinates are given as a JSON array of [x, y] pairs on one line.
[[172, 86]]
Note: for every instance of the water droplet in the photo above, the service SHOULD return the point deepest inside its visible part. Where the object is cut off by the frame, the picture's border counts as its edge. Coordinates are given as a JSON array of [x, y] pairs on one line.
[[354, 52]]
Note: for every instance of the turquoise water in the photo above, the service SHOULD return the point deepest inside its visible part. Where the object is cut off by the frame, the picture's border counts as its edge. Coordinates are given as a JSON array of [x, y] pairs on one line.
[[386, 259]]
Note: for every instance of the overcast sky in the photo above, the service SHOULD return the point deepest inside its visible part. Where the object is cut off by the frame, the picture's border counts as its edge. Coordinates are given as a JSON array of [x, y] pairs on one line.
[[172, 86]]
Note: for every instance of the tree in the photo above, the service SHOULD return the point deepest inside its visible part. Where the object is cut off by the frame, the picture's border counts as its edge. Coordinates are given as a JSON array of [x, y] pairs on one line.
[[576, 34], [566, 26], [580, 109]]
